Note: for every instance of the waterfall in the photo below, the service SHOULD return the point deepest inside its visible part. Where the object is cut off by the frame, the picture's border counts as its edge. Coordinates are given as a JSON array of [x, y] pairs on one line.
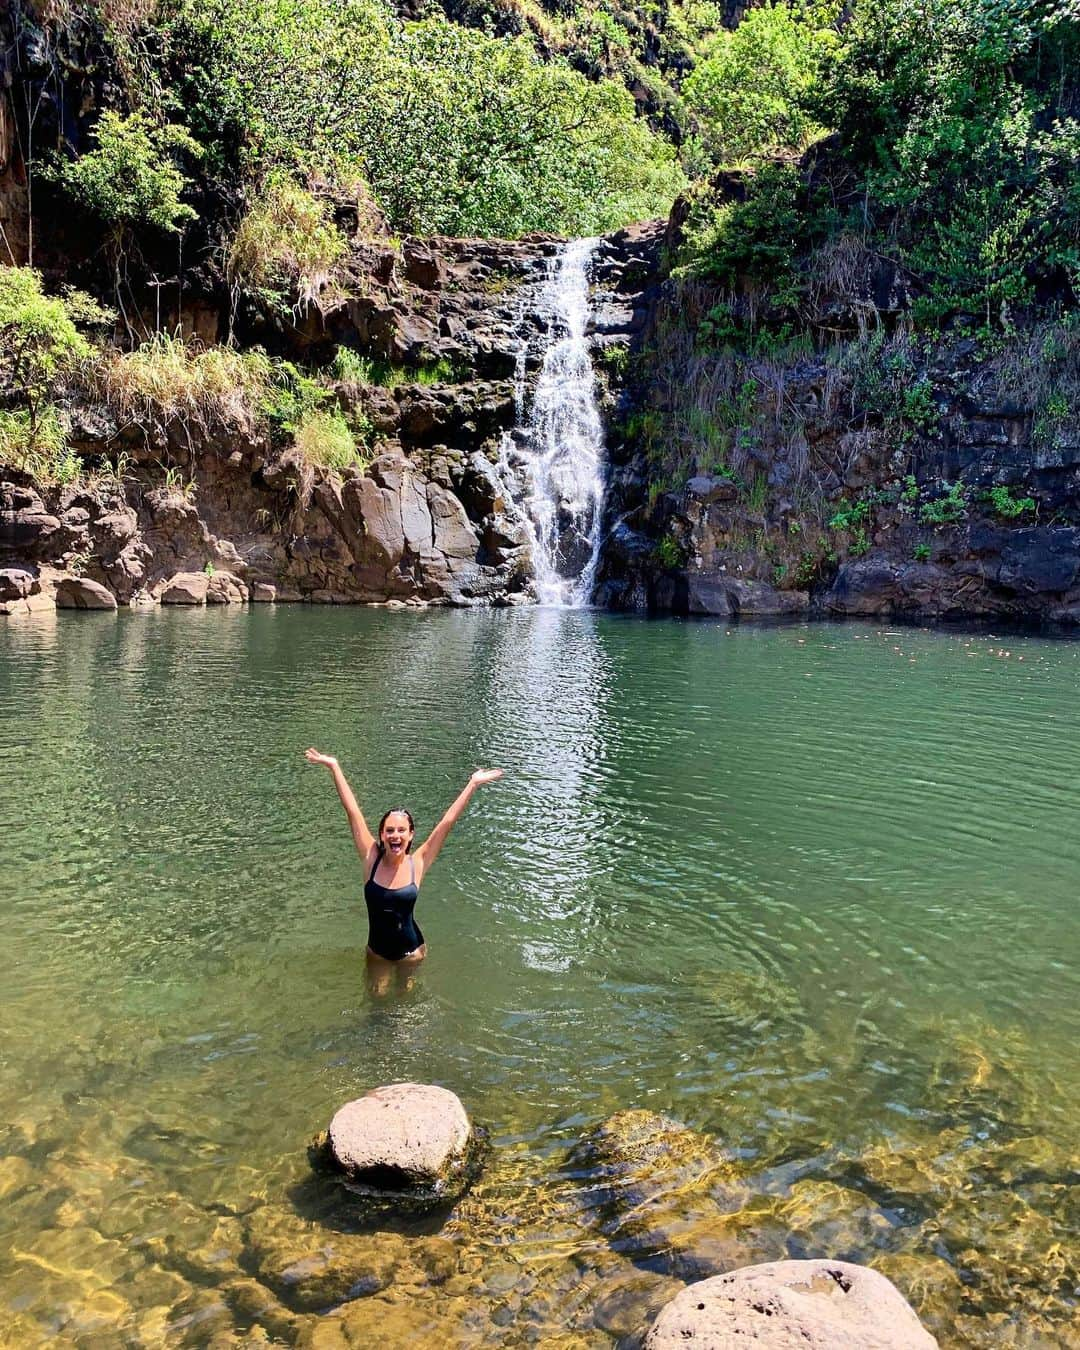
[[560, 442]]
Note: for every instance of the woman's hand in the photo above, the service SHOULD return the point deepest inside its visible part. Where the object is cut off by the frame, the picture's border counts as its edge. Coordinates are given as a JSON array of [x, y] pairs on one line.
[[317, 757], [485, 776]]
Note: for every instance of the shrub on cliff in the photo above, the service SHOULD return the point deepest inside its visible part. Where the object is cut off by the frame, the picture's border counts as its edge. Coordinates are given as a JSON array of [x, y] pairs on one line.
[[40, 348], [167, 379], [286, 248], [131, 178], [324, 440]]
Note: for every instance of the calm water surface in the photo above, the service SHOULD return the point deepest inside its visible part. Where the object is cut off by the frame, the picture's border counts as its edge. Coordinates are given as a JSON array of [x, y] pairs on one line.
[[811, 890]]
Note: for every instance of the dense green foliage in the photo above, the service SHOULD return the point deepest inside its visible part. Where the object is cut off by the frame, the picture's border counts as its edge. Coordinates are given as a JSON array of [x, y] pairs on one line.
[[39, 342], [753, 90], [455, 131], [956, 149], [941, 138]]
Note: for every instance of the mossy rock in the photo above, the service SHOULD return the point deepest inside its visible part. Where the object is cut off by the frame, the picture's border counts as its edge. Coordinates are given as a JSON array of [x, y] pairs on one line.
[[647, 1181]]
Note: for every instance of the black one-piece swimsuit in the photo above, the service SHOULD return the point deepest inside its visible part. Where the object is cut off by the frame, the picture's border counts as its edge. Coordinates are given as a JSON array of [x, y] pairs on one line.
[[392, 930]]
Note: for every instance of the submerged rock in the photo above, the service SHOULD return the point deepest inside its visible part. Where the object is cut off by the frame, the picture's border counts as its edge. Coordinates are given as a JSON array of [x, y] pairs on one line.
[[828, 1304], [631, 1142], [660, 1191], [311, 1270], [409, 1144]]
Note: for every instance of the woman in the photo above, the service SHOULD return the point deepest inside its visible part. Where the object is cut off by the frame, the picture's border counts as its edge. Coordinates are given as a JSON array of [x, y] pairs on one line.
[[394, 872]]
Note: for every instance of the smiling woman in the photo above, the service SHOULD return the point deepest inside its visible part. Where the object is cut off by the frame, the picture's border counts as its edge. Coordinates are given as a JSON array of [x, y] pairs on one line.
[[394, 938]]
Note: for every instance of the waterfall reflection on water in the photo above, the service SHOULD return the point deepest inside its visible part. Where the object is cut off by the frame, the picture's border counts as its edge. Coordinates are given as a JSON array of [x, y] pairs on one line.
[[548, 719]]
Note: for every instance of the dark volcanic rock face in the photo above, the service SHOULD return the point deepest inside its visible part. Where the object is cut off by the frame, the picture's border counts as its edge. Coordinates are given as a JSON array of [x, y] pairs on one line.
[[887, 476]]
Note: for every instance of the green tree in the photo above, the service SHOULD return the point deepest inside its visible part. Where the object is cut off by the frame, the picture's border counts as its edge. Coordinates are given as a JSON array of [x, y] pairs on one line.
[[130, 177], [39, 343], [39, 348], [755, 89], [960, 121]]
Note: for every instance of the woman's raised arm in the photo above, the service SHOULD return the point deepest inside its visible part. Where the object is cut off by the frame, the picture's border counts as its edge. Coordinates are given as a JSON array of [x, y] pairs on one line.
[[429, 849], [362, 836]]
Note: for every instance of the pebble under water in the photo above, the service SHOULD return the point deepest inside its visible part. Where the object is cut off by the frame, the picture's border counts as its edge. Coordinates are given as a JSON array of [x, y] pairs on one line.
[[809, 890]]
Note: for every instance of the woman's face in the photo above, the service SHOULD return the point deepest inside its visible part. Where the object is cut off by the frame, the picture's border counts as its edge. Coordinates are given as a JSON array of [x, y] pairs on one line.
[[396, 834]]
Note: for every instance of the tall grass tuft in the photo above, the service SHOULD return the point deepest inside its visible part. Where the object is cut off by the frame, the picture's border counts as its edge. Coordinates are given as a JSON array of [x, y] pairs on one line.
[[166, 379], [39, 448], [287, 250], [324, 440]]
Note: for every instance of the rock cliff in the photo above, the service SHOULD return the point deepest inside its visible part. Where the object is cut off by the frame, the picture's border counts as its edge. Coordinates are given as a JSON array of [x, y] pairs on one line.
[[876, 473], [435, 517]]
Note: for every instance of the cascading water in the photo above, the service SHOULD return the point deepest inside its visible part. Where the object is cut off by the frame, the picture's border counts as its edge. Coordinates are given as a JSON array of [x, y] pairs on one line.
[[560, 448]]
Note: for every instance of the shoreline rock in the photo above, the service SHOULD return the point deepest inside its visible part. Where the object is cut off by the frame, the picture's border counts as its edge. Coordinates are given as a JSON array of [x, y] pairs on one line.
[[81, 593]]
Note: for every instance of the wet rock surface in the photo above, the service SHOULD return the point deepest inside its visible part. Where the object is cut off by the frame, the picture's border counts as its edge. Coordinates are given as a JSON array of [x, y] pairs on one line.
[[409, 1145], [658, 1192], [832, 1305]]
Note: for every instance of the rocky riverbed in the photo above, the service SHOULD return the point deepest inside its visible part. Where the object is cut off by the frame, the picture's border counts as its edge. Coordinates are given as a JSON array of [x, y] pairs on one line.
[[142, 1235]]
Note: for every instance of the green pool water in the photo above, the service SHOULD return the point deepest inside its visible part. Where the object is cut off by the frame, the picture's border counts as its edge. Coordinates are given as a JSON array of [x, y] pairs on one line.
[[810, 890]]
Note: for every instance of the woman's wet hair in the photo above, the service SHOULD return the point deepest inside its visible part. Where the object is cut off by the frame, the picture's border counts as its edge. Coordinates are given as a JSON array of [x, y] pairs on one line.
[[396, 811]]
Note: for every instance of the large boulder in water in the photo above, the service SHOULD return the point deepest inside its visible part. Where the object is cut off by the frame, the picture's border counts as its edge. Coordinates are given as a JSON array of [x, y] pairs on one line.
[[410, 1145], [801, 1305], [81, 593], [185, 588]]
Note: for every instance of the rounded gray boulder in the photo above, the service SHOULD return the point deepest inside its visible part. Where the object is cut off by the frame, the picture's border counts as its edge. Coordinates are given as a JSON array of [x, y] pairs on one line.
[[808, 1305], [81, 593], [411, 1144]]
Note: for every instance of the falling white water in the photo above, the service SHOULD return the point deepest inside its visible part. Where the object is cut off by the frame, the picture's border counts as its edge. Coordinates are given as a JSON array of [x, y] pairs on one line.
[[563, 445]]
